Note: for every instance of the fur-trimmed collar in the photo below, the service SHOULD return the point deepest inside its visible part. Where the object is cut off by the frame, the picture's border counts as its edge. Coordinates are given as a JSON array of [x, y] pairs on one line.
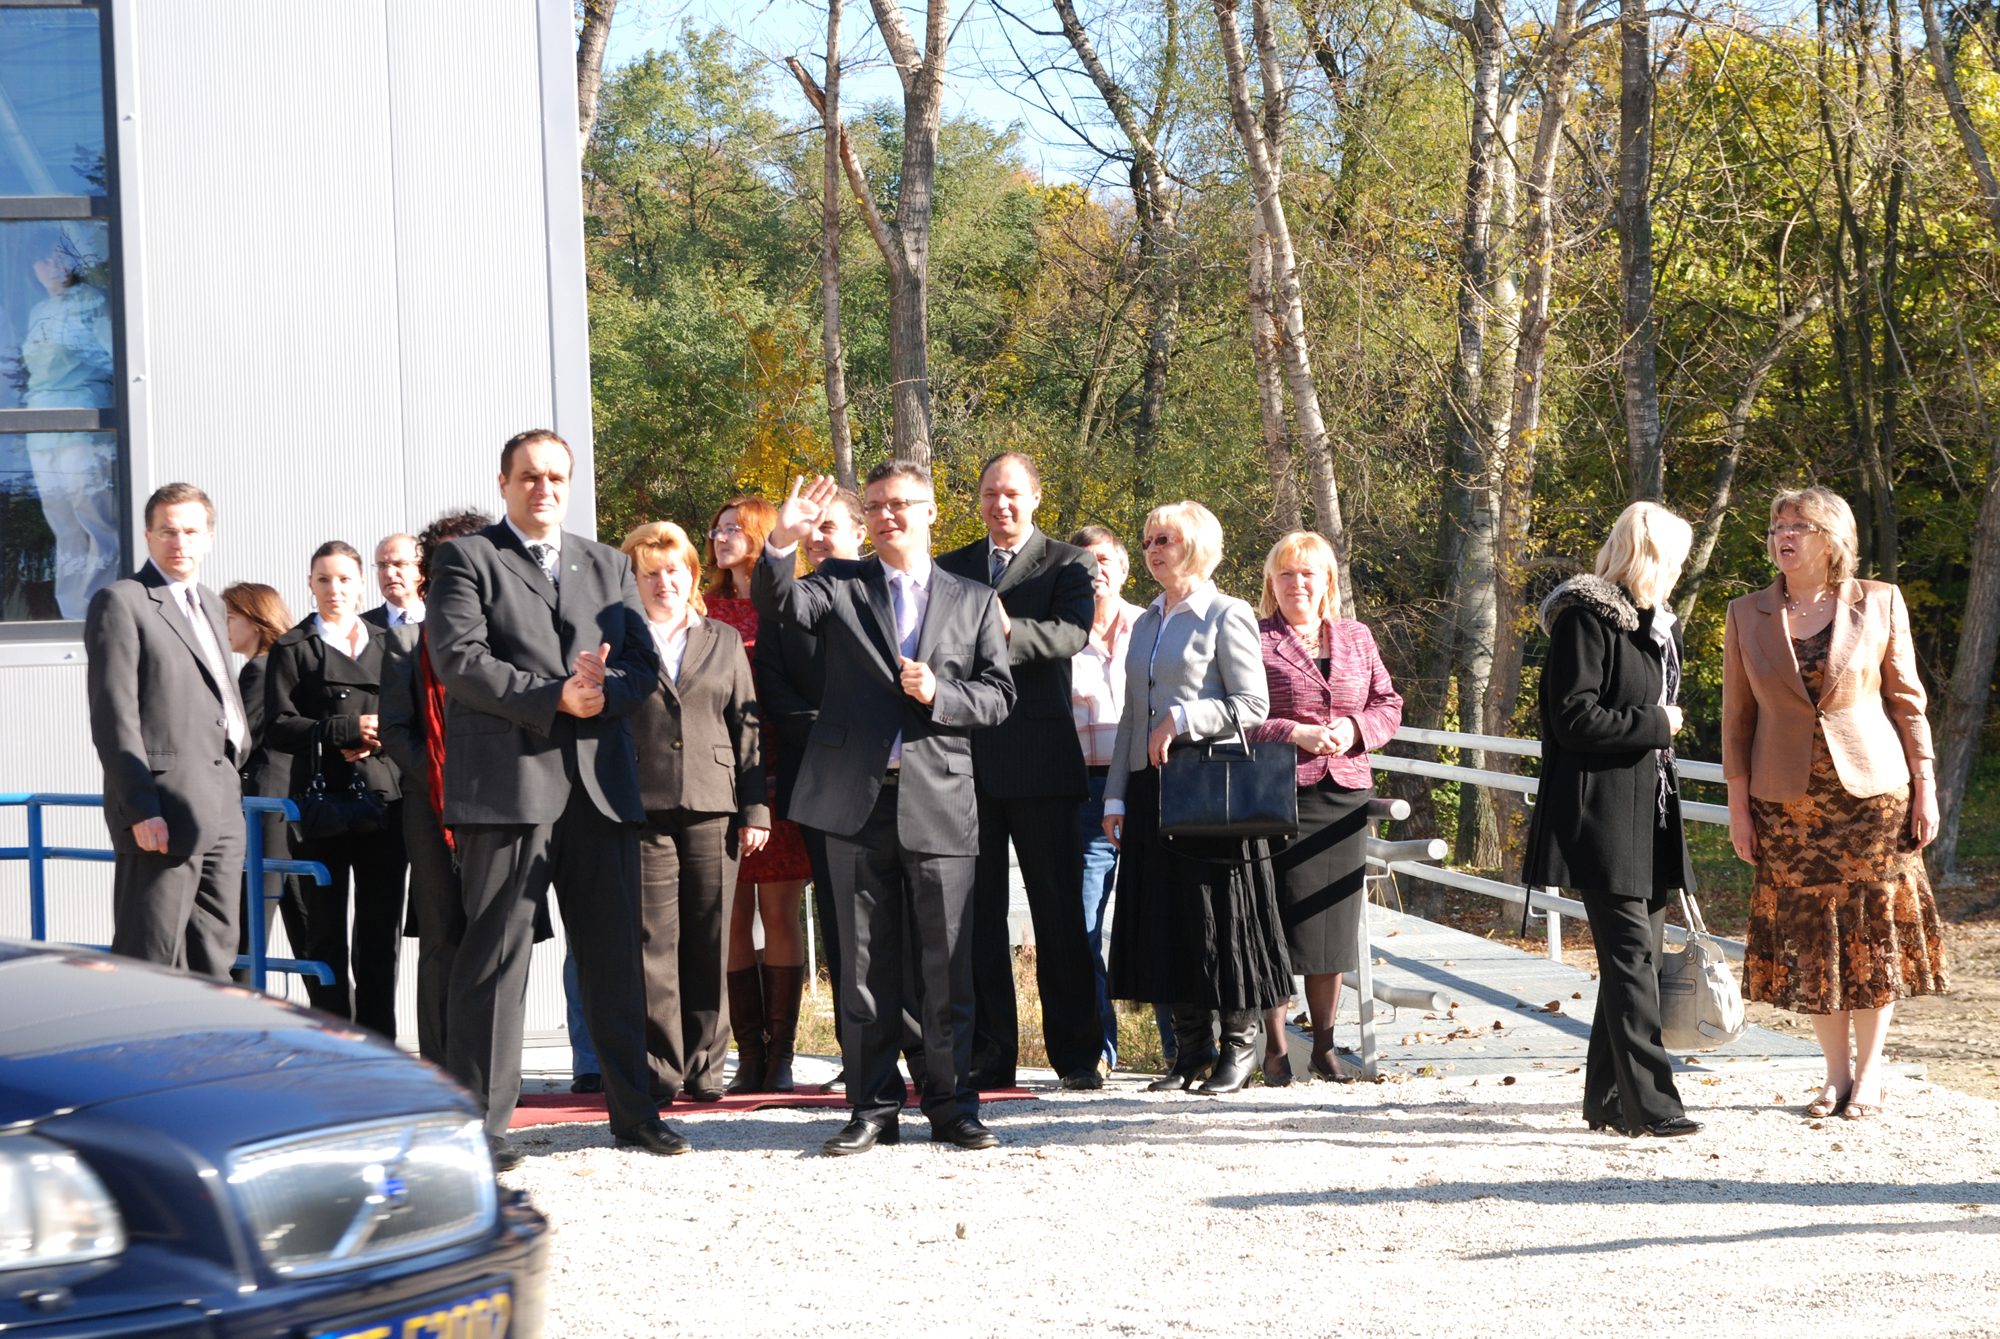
[[1593, 594]]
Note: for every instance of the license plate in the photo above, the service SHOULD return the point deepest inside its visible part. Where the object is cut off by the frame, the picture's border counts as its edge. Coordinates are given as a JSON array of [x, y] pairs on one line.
[[483, 1315]]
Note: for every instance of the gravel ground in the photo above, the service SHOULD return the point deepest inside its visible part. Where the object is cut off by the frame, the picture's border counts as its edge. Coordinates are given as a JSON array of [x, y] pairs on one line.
[[1410, 1209]]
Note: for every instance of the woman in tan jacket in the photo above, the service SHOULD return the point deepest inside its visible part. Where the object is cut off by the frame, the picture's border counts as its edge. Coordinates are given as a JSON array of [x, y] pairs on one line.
[[1832, 794]]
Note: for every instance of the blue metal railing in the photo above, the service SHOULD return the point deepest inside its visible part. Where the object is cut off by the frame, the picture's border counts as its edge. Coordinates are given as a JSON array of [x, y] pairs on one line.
[[37, 853]]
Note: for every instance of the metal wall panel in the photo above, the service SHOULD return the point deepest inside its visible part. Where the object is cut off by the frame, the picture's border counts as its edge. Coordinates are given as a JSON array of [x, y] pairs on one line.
[[45, 725]]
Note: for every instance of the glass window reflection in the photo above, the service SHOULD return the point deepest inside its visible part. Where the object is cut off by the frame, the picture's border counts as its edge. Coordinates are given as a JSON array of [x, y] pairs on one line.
[[51, 102], [59, 537]]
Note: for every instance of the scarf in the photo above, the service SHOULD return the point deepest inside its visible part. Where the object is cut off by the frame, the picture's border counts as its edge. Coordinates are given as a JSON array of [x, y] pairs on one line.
[[432, 706]]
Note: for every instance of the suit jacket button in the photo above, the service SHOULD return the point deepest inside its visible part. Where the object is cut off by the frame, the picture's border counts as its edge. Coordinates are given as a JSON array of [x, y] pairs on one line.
[[677, 743]]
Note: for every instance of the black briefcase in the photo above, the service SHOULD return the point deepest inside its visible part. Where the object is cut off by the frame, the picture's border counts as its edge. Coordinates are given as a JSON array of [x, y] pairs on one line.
[[1230, 788]]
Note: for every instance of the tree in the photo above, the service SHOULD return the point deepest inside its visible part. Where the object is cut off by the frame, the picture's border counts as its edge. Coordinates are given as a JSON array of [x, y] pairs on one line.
[[1638, 351], [590, 65]]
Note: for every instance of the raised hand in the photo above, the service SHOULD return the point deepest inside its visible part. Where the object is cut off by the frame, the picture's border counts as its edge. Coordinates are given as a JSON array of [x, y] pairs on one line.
[[801, 510], [918, 680]]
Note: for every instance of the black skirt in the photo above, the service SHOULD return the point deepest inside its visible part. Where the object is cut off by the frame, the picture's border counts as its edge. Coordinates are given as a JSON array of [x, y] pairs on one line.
[[1190, 932], [1320, 879]]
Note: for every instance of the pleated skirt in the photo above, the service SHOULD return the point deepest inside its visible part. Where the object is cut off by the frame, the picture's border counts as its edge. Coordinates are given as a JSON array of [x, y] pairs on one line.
[[1189, 931]]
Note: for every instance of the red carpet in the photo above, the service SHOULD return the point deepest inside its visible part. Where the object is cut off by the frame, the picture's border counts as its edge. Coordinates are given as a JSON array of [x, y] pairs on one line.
[[567, 1108]]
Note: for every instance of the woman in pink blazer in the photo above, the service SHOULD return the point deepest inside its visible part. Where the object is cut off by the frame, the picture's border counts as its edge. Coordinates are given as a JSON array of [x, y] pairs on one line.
[[1330, 697]]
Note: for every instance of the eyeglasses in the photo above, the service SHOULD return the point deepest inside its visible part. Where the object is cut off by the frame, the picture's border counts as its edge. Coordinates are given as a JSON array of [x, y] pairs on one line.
[[400, 562], [891, 506], [723, 531], [1794, 528], [1158, 541]]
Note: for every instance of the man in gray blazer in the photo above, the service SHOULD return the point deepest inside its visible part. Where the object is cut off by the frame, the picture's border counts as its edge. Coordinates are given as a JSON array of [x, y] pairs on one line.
[[539, 639], [170, 729], [1031, 781], [915, 661]]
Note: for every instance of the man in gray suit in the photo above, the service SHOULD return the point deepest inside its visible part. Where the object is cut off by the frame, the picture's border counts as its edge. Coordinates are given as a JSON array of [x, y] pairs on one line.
[[915, 661], [169, 727], [540, 641]]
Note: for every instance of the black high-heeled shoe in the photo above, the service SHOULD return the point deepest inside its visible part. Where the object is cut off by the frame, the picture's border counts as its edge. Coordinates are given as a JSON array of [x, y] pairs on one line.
[[1239, 1053], [1194, 1052]]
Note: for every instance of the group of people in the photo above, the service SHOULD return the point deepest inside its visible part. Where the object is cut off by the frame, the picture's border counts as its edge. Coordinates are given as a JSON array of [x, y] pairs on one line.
[[677, 734]]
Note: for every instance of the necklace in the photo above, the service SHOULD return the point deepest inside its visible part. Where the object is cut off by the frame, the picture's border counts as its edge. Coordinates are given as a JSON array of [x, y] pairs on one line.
[[1800, 606], [1311, 640]]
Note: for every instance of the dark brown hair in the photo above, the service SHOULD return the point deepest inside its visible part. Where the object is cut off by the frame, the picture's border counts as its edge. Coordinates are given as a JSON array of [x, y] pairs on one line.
[[529, 438], [1099, 534], [340, 548], [172, 495], [758, 518], [261, 606], [901, 469], [441, 532]]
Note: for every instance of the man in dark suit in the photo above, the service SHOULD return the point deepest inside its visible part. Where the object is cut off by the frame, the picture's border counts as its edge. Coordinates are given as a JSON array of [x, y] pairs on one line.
[[1031, 781], [396, 578], [540, 641], [915, 661], [168, 722]]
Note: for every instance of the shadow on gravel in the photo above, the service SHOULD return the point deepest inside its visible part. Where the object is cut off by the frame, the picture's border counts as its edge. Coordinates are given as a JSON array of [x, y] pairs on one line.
[[1805, 1232], [1638, 1190]]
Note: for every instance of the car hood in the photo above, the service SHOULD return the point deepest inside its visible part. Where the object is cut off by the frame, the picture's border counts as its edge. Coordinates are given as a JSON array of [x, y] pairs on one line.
[[79, 1029]]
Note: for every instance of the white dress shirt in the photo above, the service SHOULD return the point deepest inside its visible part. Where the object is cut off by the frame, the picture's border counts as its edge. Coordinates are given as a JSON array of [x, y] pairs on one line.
[[551, 565], [1097, 686], [184, 593], [1197, 603], [400, 615], [671, 641], [909, 600], [331, 636]]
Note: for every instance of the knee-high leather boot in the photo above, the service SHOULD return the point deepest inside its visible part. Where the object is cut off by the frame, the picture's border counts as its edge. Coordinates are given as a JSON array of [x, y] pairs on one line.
[[1194, 1050], [782, 988], [746, 1020], [1239, 1052]]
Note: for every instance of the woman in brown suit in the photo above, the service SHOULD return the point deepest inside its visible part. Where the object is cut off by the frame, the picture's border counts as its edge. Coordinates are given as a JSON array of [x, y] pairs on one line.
[[701, 774], [1831, 794]]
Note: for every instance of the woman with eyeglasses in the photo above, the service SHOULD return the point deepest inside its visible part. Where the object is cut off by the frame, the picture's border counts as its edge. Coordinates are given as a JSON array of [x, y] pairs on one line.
[[763, 996], [1198, 926], [1832, 795]]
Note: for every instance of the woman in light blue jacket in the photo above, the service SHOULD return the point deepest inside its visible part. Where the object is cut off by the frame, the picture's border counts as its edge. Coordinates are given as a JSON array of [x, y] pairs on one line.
[[1194, 931]]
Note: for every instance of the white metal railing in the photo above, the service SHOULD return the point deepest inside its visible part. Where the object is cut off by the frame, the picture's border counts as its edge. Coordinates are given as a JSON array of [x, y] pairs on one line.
[[1552, 905]]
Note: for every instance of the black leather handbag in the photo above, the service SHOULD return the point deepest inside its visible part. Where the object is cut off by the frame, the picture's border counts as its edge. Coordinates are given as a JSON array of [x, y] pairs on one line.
[[325, 814], [1230, 788]]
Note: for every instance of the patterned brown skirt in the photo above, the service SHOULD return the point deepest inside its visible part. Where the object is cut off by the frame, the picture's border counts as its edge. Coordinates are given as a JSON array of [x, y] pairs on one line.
[[1842, 916]]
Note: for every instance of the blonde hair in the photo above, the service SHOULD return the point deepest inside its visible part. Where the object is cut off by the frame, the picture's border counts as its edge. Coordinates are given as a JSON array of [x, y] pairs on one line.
[[1829, 511], [657, 543], [1314, 549], [1200, 535], [1644, 554]]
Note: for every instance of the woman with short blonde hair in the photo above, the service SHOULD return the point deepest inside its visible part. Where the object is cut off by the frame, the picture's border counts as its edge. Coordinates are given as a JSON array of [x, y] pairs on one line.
[[654, 545], [1828, 757], [1607, 817], [1311, 549], [1200, 550]]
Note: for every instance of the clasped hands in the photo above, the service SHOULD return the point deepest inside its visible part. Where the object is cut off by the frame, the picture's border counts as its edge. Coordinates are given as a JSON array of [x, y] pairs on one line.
[[583, 690], [371, 739], [1321, 740]]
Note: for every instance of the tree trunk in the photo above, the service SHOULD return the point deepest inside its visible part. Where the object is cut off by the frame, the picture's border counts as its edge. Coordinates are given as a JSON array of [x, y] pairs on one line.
[[922, 73], [1637, 354], [1972, 673], [590, 65], [1290, 295], [829, 258], [1264, 339]]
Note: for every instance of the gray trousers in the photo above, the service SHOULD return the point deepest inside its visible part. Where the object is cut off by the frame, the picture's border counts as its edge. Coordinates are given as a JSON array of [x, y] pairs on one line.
[[904, 922], [687, 877], [506, 870], [180, 912]]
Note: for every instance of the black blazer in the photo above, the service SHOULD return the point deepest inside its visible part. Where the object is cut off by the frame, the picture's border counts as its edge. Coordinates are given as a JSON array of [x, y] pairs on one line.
[[1596, 826], [503, 641], [310, 683], [790, 666], [1048, 595], [156, 716], [268, 773], [847, 753], [402, 726], [698, 737]]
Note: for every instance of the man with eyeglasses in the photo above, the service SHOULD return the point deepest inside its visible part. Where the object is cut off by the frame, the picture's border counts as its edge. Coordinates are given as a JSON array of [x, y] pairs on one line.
[[396, 578], [916, 660], [1031, 780]]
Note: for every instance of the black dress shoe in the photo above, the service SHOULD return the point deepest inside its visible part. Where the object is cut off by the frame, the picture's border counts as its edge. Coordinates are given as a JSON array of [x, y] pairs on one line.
[[704, 1094], [655, 1137], [587, 1083], [986, 1081], [859, 1135], [1677, 1127], [505, 1156], [964, 1132], [1088, 1080]]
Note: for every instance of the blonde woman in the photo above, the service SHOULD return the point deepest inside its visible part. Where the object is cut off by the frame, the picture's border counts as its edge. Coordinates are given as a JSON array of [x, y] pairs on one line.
[[1607, 819], [1331, 697], [1193, 933], [1832, 794]]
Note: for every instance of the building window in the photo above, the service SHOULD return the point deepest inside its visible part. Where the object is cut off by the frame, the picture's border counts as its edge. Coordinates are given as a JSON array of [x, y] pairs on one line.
[[61, 472]]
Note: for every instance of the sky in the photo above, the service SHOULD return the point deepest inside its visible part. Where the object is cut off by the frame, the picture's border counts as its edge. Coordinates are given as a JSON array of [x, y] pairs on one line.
[[982, 75]]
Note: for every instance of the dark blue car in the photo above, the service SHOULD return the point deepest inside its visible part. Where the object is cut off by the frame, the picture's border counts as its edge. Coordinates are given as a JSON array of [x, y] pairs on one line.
[[190, 1159]]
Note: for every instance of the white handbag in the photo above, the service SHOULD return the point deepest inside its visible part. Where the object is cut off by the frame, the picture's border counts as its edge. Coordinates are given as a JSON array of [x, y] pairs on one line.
[[1700, 1005]]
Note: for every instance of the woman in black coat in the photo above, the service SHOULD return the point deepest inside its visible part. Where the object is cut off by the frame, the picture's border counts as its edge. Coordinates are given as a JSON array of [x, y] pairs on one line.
[[1607, 816], [323, 686], [257, 618]]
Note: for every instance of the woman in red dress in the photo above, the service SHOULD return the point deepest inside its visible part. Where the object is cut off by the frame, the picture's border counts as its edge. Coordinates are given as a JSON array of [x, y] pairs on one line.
[[763, 998]]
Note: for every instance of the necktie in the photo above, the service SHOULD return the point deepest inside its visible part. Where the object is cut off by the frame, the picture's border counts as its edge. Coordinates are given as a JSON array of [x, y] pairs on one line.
[[545, 555], [906, 615], [1000, 559], [218, 668]]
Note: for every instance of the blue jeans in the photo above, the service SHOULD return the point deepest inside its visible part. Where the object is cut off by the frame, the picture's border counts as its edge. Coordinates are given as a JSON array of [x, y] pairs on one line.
[[1100, 878], [582, 1055]]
